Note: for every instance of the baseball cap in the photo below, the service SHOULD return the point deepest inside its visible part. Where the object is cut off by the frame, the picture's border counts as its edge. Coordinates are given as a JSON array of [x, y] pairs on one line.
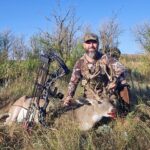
[[90, 36]]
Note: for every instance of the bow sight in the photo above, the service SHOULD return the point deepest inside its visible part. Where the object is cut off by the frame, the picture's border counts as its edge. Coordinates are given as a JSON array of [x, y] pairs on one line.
[[44, 87]]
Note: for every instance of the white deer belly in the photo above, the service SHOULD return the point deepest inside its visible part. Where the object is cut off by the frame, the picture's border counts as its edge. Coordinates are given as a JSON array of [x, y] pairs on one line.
[[22, 114]]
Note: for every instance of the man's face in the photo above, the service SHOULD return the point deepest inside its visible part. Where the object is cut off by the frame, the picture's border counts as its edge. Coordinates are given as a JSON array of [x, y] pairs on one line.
[[91, 47]]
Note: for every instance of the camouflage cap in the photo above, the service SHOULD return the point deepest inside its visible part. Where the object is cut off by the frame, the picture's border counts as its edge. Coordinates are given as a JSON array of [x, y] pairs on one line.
[[90, 36]]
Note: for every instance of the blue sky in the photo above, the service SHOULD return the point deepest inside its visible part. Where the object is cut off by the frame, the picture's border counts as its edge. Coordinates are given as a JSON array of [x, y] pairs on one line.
[[26, 17]]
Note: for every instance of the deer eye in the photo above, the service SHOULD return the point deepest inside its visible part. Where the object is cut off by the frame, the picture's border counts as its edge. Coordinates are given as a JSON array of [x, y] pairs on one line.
[[99, 102]]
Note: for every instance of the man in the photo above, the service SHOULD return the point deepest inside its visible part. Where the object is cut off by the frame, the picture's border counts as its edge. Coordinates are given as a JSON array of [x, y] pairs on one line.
[[97, 72]]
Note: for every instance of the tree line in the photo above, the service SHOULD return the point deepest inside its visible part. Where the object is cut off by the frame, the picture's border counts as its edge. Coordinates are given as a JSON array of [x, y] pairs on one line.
[[64, 38]]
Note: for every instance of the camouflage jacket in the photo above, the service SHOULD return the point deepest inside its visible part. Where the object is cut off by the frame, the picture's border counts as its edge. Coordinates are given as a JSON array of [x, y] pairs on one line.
[[96, 75]]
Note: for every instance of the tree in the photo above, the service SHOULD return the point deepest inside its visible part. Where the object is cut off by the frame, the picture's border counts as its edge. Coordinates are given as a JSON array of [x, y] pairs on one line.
[[63, 37], [6, 42], [109, 34], [142, 35], [19, 48], [35, 45]]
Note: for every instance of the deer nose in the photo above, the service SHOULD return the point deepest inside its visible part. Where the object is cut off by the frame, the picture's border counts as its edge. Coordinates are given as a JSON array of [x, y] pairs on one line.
[[112, 114]]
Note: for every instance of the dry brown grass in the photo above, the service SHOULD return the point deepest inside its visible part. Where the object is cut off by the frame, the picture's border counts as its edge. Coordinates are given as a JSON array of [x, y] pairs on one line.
[[132, 132]]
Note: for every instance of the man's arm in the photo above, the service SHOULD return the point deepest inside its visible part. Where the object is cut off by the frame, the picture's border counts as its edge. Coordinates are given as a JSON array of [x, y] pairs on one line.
[[75, 78]]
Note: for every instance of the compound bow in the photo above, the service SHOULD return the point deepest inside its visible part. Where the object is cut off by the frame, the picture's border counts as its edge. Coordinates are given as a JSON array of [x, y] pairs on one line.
[[43, 87]]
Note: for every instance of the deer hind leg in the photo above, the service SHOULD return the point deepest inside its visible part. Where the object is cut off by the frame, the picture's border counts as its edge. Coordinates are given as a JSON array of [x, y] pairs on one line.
[[13, 115]]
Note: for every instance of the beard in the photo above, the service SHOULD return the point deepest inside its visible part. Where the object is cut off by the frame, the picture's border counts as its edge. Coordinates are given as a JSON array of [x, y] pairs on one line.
[[92, 54]]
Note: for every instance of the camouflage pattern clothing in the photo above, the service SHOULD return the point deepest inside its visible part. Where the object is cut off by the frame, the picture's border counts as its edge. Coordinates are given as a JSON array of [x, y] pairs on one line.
[[95, 75]]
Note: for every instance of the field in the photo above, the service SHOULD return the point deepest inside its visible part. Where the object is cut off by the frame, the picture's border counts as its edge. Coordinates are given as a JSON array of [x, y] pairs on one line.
[[130, 133]]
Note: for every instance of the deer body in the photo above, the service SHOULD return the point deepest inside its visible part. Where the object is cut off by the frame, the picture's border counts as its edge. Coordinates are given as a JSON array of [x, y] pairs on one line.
[[88, 115], [85, 116]]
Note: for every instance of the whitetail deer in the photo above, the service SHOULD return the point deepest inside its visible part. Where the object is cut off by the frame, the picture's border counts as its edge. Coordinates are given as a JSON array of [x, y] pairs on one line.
[[85, 116]]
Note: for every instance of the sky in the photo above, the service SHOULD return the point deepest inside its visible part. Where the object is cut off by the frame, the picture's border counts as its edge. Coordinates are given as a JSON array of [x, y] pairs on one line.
[[27, 17]]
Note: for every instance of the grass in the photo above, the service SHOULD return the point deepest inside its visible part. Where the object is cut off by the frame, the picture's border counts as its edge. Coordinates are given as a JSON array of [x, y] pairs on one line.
[[132, 132]]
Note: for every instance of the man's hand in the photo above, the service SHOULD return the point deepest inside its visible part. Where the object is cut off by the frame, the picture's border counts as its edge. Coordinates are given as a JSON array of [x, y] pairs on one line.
[[68, 100]]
